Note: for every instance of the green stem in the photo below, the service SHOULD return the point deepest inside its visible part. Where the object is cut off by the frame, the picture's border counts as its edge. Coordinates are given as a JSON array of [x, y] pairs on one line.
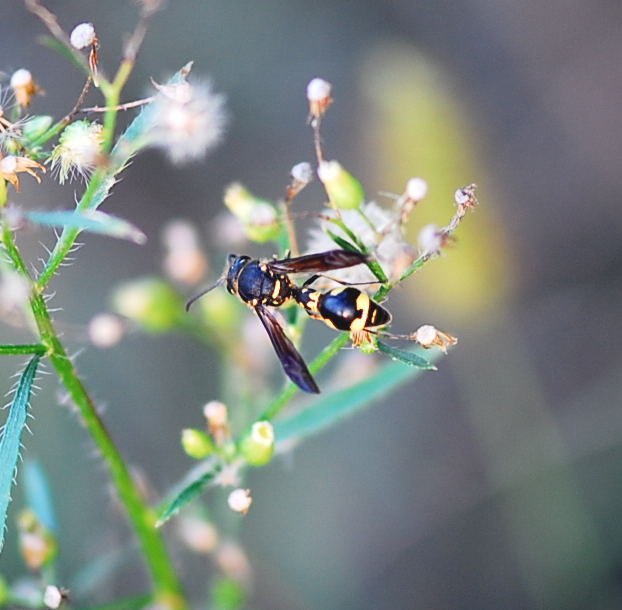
[[18, 350], [324, 357], [142, 517]]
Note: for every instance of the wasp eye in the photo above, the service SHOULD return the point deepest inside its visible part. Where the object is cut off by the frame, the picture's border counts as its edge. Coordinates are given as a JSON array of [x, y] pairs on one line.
[[231, 258]]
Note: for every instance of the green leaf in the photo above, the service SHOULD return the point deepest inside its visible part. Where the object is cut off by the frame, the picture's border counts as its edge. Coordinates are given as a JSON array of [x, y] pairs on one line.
[[38, 494], [10, 442], [341, 242], [328, 411], [61, 49], [90, 220], [189, 491], [406, 357]]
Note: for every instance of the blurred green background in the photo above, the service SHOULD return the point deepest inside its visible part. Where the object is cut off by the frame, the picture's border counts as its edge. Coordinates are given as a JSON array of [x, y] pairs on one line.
[[494, 483]]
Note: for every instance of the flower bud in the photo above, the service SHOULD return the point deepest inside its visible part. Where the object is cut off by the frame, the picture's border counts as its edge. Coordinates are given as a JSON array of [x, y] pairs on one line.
[[24, 87], [83, 35], [196, 443], [257, 446], [318, 94], [36, 126], [258, 217], [343, 189], [240, 500], [149, 301], [227, 593], [36, 542]]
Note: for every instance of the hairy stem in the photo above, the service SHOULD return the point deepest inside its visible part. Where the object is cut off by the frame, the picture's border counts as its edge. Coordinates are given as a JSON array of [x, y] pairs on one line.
[[141, 516]]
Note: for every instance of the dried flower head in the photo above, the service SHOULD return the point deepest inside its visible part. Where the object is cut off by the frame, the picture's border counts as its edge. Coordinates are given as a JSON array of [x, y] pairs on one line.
[[217, 420], [427, 336], [54, 596], [78, 151], [416, 189], [240, 500], [318, 94], [11, 165], [188, 120], [24, 87]]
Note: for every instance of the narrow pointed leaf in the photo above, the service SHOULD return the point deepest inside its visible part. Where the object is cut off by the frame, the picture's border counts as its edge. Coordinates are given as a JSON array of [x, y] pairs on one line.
[[10, 442], [90, 220], [38, 494], [341, 242], [326, 412], [191, 490], [409, 358]]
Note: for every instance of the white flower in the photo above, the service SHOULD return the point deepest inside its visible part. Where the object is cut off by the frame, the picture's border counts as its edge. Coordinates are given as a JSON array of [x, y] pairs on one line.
[[262, 433], [83, 35], [24, 86], [188, 120], [427, 336], [240, 500], [78, 151]]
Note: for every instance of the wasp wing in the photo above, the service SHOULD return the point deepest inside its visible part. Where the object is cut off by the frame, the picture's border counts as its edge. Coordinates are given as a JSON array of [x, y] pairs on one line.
[[292, 362], [321, 261]]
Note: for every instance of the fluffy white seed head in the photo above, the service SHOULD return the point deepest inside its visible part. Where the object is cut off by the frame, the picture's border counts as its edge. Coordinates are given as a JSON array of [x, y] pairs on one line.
[[318, 90], [430, 238], [240, 500], [83, 35], [78, 150], [416, 189], [188, 120]]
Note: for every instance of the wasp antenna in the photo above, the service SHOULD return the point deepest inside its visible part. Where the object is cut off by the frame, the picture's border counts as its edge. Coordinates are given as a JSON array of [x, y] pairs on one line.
[[203, 293]]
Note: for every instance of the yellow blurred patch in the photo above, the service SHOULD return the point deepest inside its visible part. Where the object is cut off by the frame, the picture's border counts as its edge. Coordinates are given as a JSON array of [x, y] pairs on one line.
[[417, 126]]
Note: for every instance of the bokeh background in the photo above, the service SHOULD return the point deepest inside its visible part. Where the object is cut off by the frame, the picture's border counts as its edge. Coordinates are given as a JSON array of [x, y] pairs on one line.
[[493, 483]]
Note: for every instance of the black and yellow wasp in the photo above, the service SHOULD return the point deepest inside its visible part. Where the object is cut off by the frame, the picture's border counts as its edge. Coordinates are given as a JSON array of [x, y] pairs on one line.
[[266, 283]]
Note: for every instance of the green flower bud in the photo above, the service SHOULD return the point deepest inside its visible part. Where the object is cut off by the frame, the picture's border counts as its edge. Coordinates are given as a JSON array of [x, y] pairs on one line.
[[259, 217], [227, 594], [258, 445], [344, 190], [36, 126], [149, 301], [196, 443]]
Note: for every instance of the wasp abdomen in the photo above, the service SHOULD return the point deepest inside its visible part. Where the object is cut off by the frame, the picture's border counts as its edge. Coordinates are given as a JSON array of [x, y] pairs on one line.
[[350, 309]]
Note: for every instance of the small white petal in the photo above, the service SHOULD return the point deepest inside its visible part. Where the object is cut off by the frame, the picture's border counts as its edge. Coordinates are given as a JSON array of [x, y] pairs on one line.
[[318, 89], [262, 433], [83, 35]]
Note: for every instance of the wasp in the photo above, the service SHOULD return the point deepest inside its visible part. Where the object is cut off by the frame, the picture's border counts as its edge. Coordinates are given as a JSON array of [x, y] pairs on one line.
[[266, 283]]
